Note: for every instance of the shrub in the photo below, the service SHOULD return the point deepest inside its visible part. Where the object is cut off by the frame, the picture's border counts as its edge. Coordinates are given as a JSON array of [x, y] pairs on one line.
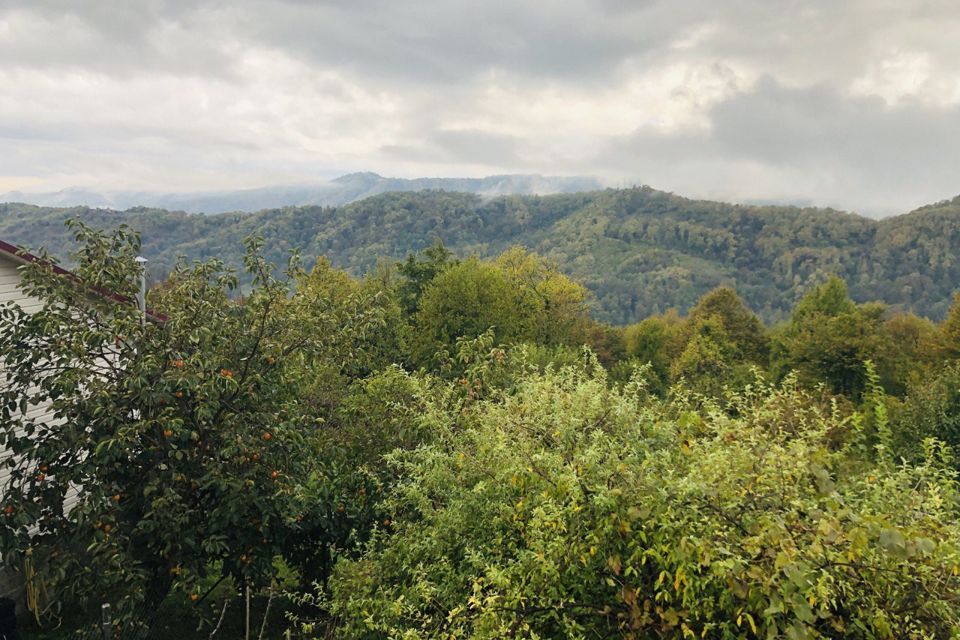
[[569, 509], [930, 410]]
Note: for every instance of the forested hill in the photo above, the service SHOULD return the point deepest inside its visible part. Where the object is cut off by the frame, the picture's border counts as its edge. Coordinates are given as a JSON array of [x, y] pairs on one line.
[[639, 250], [340, 191]]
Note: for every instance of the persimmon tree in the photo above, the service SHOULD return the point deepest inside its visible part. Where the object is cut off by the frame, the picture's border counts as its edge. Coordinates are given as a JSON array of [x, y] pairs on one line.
[[180, 436]]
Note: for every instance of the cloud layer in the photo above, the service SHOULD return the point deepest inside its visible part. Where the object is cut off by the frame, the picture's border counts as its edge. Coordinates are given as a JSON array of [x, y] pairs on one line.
[[853, 104]]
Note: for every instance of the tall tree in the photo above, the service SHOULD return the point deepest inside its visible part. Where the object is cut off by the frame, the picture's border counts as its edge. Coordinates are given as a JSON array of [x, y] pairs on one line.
[[742, 327], [829, 338], [655, 341], [561, 302], [950, 330], [418, 270], [464, 301]]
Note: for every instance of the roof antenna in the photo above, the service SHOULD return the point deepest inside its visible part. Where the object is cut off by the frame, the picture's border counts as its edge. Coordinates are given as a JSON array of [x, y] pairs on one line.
[[142, 296]]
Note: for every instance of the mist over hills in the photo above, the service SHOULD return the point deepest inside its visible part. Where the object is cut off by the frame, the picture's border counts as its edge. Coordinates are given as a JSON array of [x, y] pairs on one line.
[[342, 190], [639, 250]]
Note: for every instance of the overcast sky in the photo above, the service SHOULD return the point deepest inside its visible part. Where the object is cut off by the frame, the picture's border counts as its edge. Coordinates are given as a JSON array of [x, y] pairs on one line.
[[854, 104]]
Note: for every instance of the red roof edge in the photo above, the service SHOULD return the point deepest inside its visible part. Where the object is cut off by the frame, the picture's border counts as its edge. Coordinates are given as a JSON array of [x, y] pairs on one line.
[[25, 257]]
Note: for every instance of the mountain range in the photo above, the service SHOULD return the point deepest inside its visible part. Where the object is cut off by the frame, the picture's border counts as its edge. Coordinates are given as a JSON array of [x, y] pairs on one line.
[[342, 190], [640, 251]]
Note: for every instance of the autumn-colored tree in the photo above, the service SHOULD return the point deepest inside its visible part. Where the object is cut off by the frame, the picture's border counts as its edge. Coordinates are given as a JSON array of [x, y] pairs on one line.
[[604, 340]]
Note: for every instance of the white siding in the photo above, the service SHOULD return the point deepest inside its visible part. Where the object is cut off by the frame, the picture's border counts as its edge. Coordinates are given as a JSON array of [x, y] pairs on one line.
[[9, 285], [10, 291]]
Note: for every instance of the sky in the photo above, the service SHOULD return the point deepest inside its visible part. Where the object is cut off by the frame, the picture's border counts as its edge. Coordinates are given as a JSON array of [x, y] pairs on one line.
[[853, 104]]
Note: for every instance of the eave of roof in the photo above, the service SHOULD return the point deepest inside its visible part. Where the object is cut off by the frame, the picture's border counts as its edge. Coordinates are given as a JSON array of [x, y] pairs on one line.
[[22, 256]]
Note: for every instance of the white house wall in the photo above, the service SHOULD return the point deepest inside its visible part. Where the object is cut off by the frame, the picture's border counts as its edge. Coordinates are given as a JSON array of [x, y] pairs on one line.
[[10, 291]]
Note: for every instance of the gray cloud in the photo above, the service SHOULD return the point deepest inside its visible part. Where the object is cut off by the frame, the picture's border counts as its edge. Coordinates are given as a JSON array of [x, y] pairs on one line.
[[123, 39], [460, 146], [780, 144], [854, 104]]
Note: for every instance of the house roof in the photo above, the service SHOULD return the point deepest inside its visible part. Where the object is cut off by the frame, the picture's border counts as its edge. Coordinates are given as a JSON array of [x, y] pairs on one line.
[[22, 256]]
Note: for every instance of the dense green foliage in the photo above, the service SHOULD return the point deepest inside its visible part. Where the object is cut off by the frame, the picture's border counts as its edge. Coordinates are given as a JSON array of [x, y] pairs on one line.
[[567, 509], [453, 447], [187, 438], [520, 297], [640, 251]]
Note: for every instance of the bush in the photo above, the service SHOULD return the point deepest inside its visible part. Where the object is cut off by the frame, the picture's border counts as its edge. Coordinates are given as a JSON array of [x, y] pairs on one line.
[[569, 509], [930, 410]]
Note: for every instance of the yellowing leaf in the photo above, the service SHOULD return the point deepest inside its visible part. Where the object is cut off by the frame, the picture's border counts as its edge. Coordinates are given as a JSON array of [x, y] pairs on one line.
[[753, 625]]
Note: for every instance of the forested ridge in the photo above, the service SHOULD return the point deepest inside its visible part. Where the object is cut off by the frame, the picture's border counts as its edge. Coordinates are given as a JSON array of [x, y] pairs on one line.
[[639, 251]]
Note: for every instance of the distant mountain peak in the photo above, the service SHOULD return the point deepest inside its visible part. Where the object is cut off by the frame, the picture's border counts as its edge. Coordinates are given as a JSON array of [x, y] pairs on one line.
[[345, 189], [358, 175]]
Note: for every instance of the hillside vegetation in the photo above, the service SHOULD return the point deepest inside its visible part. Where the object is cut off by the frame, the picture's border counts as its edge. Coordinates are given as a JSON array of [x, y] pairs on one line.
[[453, 448], [639, 251]]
